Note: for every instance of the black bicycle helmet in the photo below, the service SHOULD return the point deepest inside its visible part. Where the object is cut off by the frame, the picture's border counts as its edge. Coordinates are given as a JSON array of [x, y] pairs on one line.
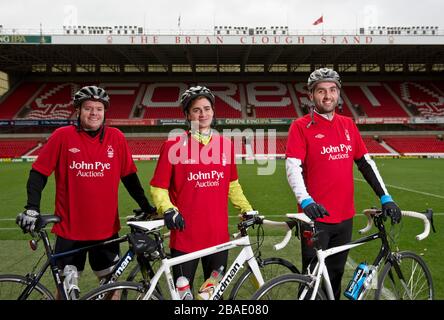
[[91, 93], [323, 75], [194, 92]]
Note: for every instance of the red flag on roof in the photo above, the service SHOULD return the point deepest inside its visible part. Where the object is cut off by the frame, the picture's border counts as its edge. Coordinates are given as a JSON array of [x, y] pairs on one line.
[[320, 20]]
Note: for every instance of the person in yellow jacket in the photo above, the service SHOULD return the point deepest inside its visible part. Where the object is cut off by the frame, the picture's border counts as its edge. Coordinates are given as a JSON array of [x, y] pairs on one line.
[[195, 176]]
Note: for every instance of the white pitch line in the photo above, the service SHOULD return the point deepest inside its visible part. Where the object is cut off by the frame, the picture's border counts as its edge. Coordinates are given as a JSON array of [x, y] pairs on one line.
[[407, 189]]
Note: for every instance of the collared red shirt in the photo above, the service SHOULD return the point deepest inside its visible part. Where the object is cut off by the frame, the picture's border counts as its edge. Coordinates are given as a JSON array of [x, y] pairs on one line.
[[197, 177], [87, 175], [327, 150]]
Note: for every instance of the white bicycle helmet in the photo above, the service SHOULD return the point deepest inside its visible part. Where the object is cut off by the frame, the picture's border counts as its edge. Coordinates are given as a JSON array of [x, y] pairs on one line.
[[91, 93], [323, 75]]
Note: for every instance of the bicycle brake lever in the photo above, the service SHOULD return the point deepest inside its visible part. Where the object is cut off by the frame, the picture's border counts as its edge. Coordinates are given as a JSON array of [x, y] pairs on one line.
[[429, 215]]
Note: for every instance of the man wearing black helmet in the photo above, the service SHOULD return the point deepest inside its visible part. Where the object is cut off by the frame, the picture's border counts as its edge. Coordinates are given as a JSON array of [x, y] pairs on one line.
[[195, 176], [321, 149], [89, 161]]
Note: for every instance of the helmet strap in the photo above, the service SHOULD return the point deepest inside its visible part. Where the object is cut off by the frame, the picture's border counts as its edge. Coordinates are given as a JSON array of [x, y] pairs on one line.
[[312, 107], [213, 122]]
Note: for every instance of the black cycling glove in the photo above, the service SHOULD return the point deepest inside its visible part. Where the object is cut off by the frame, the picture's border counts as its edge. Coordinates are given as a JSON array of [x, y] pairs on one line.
[[174, 220], [313, 210]]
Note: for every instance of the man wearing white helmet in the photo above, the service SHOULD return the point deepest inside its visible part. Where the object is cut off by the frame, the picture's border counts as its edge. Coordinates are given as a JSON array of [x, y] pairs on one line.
[[321, 150], [195, 176], [88, 160]]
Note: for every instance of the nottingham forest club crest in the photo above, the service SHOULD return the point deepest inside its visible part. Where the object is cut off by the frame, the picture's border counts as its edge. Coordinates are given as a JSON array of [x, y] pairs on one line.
[[224, 159], [347, 135], [110, 152]]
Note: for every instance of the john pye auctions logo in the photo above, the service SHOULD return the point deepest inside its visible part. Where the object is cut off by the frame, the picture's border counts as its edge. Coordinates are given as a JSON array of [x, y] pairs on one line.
[[337, 152], [95, 169], [212, 178]]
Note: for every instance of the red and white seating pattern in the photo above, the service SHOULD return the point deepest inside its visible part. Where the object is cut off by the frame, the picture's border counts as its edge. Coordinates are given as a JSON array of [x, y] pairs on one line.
[[427, 97], [374, 99], [14, 148], [413, 145], [161, 100], [406, 145]]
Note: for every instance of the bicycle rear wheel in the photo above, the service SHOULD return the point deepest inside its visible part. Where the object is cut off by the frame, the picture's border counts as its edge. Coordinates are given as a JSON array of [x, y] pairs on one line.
[[270, 268], [120, 291], [288, 287], [12, 286], [406, 278]]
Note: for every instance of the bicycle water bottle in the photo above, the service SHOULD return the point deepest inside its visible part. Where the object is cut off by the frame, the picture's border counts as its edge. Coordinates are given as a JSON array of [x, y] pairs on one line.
[[356, 284], [207, 288], [71, 282], [183, 288]]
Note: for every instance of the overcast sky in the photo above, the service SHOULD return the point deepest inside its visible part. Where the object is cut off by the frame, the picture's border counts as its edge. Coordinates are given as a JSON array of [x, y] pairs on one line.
[[204, 14]]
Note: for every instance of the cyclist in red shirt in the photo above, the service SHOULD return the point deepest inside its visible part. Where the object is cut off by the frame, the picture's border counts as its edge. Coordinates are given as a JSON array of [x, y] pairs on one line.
[[195, 176], [88, 160], [321, 150]]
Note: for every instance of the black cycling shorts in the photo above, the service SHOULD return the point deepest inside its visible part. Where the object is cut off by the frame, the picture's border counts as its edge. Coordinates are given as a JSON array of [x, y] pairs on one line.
[[101, 259]]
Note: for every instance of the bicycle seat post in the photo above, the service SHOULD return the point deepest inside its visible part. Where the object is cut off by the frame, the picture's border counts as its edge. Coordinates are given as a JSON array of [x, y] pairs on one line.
[[46, 243]]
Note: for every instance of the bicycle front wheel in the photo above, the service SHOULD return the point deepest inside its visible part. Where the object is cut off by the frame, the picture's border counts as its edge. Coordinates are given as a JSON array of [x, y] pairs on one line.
[[270, 268], [288, 287], [405, 278], [12, 286], [120, 291]]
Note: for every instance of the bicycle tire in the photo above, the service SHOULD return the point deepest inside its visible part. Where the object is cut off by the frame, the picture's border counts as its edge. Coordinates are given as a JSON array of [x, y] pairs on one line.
[[270, 268], [128, 291], [12, 285], [287, 287], [416, 274]]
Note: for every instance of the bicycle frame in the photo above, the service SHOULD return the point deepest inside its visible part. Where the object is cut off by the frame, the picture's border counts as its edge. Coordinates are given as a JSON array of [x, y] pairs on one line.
[[385, 254], [246, 255], [118, 269], [320, 271]]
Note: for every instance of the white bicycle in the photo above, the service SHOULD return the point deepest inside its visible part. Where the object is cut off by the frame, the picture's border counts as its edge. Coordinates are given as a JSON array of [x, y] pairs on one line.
[[253, 275], [393, 276]]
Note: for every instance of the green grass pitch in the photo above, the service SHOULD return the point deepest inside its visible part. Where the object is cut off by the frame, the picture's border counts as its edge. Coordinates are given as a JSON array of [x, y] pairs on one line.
[[415, 184]]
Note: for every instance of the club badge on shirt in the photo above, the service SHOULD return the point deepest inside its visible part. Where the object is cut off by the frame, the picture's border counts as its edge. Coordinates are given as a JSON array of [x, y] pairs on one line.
[[347, 135], [110, 151]]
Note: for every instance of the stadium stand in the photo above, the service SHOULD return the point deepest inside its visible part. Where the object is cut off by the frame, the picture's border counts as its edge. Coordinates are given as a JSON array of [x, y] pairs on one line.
[[374, 100], [425, 96], [409, 145], [258, 77], [15, 148], [374, 147], [270, 100], [145, 146], [17, 98]]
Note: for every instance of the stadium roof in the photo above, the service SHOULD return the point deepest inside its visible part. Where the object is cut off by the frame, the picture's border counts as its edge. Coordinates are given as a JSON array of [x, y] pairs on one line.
[[217, 53]]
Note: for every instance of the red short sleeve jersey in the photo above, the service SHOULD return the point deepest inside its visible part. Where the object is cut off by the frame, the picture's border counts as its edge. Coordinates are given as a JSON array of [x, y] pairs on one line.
[[87, 175], [197, 177], [327, 150]]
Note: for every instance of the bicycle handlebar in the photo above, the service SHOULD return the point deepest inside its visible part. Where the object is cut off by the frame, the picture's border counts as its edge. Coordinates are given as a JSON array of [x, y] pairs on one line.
[[284, 225], [369, 213], [262, 220]]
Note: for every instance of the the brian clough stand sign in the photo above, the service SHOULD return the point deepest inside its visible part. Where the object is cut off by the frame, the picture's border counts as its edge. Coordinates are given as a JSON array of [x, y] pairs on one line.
[[247, 39]]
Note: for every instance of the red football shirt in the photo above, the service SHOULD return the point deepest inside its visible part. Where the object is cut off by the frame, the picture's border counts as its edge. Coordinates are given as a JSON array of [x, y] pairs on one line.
[[197, 177], [327, 150], [87, 175]]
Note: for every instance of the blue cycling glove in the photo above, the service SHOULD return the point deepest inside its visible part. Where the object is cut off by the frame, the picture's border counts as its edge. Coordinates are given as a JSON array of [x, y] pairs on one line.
[[390, 209]]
